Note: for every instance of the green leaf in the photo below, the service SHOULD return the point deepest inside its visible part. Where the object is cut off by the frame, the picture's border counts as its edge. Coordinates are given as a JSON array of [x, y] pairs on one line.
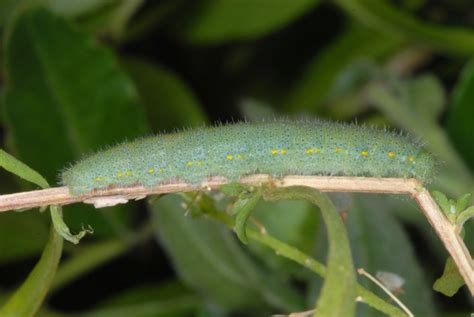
[[463, 202], [84, 10], [119, 16], [169, 102], [28, 298], [319, 76], [464, 216], [66, 96], [209, 260], [442, 201], [233, 189], [379, 243], [22, 170], [215, 21], [461, 114], [451, 281], [242, 209], [384, 16], [339, 290]]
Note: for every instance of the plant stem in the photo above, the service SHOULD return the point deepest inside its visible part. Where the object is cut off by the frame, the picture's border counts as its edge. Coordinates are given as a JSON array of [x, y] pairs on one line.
[[305, 260], [377, 282]]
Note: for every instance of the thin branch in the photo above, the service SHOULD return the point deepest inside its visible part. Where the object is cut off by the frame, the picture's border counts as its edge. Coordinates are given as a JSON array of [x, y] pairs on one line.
[[61, 195], [379, 284], [111, 196]]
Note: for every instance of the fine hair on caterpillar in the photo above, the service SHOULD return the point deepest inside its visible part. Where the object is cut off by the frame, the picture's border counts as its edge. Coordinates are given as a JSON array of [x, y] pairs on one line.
[[277, 147]]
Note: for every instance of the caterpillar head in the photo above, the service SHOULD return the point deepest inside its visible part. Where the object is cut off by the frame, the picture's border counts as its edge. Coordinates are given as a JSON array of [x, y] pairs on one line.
[[424, 166]]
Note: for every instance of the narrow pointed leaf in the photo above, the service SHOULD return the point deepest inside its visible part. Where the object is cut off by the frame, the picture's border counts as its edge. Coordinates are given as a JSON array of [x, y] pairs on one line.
[[339, 290], [22, 170], [28, 298]]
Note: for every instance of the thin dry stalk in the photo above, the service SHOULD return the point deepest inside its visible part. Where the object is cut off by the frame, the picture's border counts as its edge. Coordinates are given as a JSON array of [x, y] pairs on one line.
[[392, 296]]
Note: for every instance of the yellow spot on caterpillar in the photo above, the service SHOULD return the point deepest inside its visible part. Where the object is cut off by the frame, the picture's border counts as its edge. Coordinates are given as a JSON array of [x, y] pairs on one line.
[[239, 156], [230, 157], [151, 170], [364, 153], [120, 174], [410, 158], [339, 150], [199, 163], [282, 152], [189, 164], [313, 150], [392, 154], [99, 179], [160, 170], [128, 173]]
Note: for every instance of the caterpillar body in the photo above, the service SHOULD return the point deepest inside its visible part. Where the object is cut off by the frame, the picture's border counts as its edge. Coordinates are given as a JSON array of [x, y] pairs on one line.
[[278, 148]]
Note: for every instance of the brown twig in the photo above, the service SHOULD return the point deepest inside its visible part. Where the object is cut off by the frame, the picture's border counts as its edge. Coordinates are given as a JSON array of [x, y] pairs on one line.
[[111, 196]]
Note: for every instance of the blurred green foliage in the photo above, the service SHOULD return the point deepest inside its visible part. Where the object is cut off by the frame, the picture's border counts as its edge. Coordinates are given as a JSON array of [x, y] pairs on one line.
[[77, 76]]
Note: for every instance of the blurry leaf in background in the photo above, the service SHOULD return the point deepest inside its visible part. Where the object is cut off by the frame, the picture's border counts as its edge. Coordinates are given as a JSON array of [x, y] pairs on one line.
[[426, 95], [208, 258], [385, 16], [112, 19], [354, 77], [215, 21], [256, 110], [63, 7], [60, 88], [102, 16], [460, 120], [169, 102], [61, 85], [410, 104], [355, 43], [379, 243]]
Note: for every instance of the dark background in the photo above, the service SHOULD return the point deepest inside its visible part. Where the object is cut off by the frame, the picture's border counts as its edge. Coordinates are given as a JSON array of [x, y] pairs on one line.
[[77, 76]]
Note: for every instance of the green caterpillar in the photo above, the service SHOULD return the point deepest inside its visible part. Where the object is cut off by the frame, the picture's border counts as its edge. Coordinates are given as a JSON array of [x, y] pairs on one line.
[[278, 148]]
